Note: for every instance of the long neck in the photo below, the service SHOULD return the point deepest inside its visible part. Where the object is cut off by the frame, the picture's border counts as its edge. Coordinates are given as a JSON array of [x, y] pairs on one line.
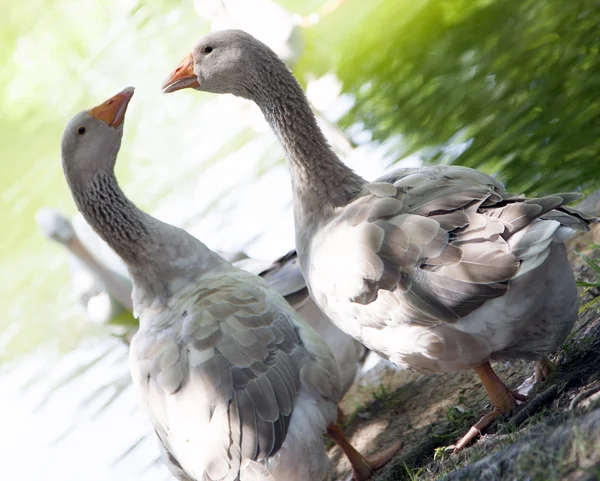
[[319, 178], [114, 217], [158, 256]]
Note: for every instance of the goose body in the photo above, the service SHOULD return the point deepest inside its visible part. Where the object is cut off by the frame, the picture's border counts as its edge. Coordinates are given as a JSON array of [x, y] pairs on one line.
[[237, 386], [451, 271], [436, 268], [231, 375]]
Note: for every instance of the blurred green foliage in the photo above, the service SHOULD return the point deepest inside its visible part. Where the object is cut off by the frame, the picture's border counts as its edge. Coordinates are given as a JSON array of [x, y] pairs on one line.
[[510, 87]]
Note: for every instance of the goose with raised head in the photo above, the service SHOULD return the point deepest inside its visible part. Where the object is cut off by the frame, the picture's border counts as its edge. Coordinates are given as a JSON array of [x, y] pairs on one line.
[[435, 268], [237, 386]]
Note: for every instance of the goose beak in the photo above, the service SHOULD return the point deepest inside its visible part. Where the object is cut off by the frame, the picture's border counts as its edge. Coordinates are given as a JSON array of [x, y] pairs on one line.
[[112, 112], [182, 77]]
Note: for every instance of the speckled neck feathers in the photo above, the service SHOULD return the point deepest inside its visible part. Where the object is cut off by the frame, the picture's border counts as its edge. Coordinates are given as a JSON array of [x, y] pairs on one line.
[[158, 255], [118, 221], [319, 178]]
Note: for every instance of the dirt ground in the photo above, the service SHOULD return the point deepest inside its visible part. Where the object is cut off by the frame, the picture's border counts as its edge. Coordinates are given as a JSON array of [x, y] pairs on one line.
[[555, 435]]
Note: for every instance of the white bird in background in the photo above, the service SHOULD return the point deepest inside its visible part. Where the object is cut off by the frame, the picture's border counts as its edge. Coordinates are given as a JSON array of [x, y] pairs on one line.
[[98, 277]]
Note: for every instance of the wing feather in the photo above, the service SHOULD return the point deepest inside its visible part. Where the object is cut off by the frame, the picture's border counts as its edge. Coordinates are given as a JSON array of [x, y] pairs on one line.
[[445, 242], [223, 390]]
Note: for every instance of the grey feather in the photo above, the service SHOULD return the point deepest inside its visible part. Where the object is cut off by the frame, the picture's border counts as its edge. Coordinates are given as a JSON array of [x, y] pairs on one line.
[[249, 436]]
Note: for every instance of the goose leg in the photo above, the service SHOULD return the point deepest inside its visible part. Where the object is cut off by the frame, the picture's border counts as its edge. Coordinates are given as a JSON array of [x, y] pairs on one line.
[[362, 467], [503, 399]]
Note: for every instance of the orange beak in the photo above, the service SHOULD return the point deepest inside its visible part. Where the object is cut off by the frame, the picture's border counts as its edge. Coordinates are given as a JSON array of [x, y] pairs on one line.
[[182, 77], [112, 112]]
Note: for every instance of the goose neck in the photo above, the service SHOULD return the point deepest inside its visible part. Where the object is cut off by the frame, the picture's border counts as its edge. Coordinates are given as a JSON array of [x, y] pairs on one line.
[[319, 177], [160, 258]]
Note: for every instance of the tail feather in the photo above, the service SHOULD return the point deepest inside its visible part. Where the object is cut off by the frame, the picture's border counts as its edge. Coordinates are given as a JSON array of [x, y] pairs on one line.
[[572, 218], [519, 213]]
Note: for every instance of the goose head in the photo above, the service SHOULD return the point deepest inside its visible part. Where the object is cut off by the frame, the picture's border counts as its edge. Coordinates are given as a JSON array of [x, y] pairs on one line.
[[227, 61], [55, 225], [92, 138]]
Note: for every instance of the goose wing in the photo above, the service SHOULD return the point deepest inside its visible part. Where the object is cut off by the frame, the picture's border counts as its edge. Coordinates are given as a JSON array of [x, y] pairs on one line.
[[440, 238]]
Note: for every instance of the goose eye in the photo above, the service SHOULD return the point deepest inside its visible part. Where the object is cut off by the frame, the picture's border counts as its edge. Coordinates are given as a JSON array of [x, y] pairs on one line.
[[207, 49], [81, 130]]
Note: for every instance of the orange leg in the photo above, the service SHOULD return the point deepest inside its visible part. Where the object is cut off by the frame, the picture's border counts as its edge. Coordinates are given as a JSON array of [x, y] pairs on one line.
[[503, 399], [363, 468]]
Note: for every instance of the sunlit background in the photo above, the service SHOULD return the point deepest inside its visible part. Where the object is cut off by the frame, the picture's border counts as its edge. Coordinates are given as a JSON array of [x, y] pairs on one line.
[[511, 87]]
